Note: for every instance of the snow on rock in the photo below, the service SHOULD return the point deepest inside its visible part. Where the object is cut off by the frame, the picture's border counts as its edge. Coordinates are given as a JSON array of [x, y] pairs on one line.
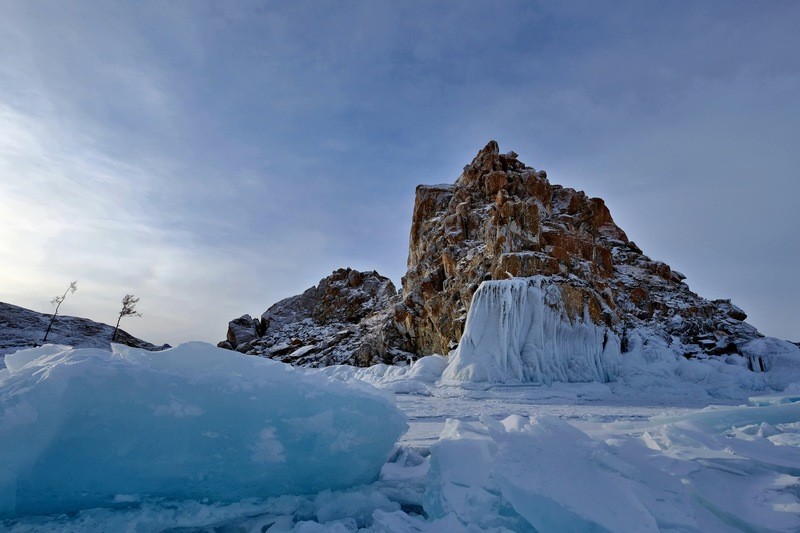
[[500, 220], [779, 358], [242, 330], [347, 318], [651, 367], [87, 427], [519, 331], [23, 328]]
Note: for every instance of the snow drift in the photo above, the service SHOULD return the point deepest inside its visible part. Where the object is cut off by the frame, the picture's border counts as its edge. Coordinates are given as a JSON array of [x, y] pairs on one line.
[[517, 330], [86, 428]]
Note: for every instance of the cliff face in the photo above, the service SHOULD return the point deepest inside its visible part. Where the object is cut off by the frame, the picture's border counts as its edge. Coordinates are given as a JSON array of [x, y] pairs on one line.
[[503, 219]]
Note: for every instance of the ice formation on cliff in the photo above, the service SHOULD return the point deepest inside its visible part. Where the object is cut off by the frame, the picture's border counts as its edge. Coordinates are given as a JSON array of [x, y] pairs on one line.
[[518, 331]]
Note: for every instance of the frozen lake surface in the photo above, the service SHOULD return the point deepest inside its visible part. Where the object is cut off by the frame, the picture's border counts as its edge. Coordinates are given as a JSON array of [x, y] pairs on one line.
[[320, 451], [428, 414]]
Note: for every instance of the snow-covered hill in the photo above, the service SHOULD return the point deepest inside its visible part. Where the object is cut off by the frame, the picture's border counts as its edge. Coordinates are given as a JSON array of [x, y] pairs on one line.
[[23, 328]]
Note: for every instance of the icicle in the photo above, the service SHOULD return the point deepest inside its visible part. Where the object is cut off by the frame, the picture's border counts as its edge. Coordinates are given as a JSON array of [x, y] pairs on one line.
[[513, 335]]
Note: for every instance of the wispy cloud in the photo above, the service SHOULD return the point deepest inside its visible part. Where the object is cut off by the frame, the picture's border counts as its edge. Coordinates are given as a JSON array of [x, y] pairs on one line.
[[213, 158], [88, 195]]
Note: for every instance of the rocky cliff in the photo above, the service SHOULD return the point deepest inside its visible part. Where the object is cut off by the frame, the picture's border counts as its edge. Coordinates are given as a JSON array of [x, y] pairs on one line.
[[347, 318], [501, 219], [23, 328]]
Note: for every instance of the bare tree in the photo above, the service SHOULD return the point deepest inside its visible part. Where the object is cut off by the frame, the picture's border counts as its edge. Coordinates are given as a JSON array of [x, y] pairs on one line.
[[57, 301], [128, 309]]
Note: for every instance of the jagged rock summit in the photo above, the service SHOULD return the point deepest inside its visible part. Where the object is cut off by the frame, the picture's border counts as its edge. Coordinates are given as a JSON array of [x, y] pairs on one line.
[[347, 318], [503, 219], [24, 328], [500, 220]]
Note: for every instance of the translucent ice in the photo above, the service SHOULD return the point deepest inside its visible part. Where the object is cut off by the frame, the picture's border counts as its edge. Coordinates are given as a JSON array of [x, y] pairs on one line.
[[87, 428]]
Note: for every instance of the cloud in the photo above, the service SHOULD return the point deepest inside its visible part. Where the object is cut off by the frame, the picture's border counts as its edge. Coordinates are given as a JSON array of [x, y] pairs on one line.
[[74, 213], [213, 158]]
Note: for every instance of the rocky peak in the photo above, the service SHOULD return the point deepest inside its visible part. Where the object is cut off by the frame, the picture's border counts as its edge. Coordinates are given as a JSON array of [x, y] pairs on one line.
[[346, 318], [503, 219]]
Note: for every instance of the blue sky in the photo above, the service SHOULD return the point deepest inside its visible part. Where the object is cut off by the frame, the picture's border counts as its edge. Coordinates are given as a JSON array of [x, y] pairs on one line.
[[213, 158]]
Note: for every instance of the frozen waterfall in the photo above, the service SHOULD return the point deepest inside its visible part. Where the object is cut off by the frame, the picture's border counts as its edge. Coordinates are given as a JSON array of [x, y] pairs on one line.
[[518, 331]]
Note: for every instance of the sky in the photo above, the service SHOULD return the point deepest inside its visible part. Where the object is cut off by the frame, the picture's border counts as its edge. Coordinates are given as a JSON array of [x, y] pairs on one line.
[[212, 158]]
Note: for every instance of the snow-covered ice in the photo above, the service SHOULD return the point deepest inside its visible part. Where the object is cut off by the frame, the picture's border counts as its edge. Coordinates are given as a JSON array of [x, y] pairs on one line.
[[693, 473], [668, 445]]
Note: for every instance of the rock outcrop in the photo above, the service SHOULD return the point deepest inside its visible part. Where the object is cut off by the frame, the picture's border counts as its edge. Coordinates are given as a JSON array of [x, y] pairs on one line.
[[347, 318], [503, 219], [24, 328]]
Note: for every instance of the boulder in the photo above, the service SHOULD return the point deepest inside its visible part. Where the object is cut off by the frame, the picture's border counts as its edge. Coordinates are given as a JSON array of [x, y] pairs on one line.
[[242, 330]]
